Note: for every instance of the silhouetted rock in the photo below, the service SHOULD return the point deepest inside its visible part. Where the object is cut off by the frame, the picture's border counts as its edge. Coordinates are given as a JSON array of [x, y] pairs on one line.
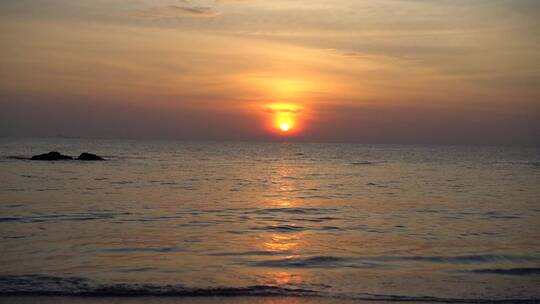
[[89, 156], [18, 157], [51, 156]]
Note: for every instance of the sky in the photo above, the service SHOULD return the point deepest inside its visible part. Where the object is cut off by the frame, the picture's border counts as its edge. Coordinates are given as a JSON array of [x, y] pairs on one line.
[[386, 71]]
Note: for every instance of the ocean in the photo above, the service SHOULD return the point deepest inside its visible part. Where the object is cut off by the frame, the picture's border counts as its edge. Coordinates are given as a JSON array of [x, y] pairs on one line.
[[242, 219]]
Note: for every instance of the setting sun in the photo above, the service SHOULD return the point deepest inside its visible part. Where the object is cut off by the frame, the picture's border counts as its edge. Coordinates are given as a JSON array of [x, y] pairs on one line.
[[285, 118], [285, 123]]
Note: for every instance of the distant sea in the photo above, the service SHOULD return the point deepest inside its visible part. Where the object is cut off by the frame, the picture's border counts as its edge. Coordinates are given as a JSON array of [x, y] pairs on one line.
[[341, 221]]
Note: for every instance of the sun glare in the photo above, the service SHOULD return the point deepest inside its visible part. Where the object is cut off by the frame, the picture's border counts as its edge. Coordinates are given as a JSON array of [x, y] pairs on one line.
[[285, 119], [284, 122]]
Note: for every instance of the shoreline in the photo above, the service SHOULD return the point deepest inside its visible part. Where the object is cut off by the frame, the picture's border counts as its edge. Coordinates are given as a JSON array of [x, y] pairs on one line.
[[50, 299], [241, 299]]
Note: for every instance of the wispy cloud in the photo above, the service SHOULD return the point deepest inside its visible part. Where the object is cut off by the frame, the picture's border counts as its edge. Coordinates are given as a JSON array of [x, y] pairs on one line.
[[176, 11]]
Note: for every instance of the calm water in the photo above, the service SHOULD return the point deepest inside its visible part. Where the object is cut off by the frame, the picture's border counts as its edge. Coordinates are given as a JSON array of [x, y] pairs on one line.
[[357, 221]]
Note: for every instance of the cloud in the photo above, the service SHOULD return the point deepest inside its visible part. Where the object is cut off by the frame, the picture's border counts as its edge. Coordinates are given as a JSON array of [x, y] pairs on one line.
[[176, 11], [194, 10], [291, 111]]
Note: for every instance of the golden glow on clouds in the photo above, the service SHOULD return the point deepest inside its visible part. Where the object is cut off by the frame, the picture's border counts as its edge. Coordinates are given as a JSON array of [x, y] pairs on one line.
[[288, 89]]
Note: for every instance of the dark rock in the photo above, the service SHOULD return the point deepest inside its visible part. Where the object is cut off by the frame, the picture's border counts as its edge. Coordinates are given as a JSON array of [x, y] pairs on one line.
[[51, 156], [89, 156], [18, 157]]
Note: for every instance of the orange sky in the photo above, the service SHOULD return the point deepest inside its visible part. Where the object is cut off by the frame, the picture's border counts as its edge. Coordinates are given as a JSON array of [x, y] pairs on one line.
[[386, 71]]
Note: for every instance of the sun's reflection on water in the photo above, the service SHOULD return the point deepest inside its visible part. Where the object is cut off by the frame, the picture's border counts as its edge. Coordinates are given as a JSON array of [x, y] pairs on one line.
[[285, 206], [284, 278], [281, 243], [284, 185]]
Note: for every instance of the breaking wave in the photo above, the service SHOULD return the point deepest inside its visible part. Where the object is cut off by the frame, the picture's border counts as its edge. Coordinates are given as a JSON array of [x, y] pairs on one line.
[[42, 285]]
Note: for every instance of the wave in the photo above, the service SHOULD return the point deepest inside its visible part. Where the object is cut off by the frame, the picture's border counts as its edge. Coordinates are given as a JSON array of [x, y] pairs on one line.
[[296, 210], [141, 249], [36, 284], [317, 262], [282, 228], [384, 262], [44, 285], [461, 259], [509, 271], [522, 163], [84, 216], [364, 163], [251, 253]]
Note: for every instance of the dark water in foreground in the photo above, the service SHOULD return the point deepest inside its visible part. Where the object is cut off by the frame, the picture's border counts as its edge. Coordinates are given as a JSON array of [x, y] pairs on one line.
[[332, 220]]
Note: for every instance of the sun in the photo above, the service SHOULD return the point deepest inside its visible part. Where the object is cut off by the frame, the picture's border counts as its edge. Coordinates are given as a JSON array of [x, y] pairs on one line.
[[285, 119], [285, 123]]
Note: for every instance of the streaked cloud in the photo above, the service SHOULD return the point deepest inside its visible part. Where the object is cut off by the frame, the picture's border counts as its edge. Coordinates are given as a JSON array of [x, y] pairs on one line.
[[176, 11]]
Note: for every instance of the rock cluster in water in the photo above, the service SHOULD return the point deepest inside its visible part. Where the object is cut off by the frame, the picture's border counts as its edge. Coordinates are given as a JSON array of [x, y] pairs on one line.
[[58, 156], [89, 156], [51, 156]]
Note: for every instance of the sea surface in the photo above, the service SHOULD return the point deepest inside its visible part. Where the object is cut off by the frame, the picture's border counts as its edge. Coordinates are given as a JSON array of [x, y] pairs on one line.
[[349, 221]]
